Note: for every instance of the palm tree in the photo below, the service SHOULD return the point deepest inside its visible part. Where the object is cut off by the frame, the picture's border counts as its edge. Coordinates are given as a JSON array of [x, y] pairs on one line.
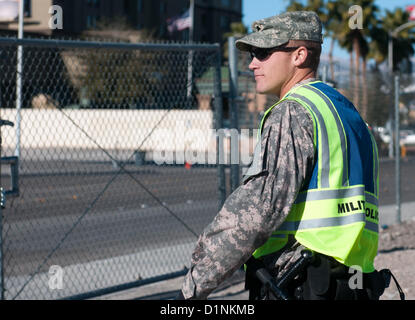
[[318, 6], [355, 40], [402, 45], [333, 27], [335, 19]]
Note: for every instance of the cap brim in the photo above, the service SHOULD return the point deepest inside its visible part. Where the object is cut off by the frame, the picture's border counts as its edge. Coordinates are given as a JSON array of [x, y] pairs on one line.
[[259, 40]]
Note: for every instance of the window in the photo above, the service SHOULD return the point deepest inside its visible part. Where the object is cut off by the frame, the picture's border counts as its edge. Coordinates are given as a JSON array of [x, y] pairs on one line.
[[162, 7], [204, 19], [185, 35], [226, 3], [91, 21], [205, 38], [93, 3], [28, 8], [139, 6], [224, 22]]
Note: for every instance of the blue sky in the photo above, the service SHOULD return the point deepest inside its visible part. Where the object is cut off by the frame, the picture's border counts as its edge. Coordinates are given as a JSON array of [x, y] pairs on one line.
[[257, 9]]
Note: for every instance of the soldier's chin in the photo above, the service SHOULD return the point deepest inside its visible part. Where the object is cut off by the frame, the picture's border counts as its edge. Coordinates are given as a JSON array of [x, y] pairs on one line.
[[261, 90], [264, 91]]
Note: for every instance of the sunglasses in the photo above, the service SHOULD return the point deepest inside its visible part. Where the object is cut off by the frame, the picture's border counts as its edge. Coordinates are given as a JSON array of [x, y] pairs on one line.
[[261, 54]]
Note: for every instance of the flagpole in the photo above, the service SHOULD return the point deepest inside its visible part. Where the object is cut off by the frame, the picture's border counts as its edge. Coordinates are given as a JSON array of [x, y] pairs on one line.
[[19, 78], [190, 59], [192, 19]]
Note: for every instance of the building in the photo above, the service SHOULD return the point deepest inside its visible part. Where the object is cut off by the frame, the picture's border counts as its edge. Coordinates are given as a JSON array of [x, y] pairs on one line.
[[212, 18], [36, 18]]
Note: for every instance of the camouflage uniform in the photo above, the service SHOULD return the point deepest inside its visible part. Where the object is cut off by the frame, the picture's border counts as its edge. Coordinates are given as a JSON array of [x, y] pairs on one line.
[[282, 164], [278, 30]]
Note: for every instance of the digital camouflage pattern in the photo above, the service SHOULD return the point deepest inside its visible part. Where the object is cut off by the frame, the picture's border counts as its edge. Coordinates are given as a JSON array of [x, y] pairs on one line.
[[277, 30], [260, 205]]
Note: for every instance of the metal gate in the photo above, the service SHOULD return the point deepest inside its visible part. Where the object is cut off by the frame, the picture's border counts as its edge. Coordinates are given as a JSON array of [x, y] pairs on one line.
[[117, 166]]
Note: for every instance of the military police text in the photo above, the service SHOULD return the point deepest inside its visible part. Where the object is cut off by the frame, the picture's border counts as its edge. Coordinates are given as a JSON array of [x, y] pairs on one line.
[[357, 205]]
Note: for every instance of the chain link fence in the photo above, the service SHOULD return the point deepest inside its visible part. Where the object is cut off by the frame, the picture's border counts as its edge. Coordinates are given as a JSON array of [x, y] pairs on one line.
[[372, 92], [117, 162]]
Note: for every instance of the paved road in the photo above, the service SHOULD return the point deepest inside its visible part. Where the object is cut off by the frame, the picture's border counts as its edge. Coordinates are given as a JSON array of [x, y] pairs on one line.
[[387, 181], [64, 218]]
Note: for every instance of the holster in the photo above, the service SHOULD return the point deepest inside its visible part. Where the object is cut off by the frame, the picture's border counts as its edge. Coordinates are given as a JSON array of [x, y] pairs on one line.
[[327, 279], [252, 283], [324, 279], [262, 282]]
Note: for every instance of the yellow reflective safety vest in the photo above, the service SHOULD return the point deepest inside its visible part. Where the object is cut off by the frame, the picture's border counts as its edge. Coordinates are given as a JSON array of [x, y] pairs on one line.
[[336, 213]]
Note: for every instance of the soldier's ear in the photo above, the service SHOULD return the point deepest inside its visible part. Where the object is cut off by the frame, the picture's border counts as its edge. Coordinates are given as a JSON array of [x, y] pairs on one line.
[[299, 56]]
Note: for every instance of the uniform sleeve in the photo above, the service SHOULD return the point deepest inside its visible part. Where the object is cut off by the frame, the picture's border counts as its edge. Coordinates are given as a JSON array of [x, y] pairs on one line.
[[254, 210]]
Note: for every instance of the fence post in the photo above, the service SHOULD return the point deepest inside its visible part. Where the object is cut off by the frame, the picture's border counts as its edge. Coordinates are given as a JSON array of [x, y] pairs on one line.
[[217, 92], [324, 76], [2, 201], [233, 107], [19, 73], [397, 153], [1, 254], [1, 226]]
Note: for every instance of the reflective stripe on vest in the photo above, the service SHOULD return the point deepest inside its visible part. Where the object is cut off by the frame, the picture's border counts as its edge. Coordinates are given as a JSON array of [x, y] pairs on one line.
[[332, 216]]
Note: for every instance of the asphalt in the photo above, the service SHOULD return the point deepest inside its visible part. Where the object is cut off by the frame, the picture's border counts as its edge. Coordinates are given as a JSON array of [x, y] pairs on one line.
[[231, 289], [124, 197]]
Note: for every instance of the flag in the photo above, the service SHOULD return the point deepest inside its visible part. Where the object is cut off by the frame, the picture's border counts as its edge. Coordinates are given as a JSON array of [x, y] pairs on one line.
[[9, 10], [179, 22], [411, 11]]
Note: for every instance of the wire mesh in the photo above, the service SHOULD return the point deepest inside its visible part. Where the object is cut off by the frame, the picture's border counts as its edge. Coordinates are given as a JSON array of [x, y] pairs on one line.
[[372, 93], [110, 189]]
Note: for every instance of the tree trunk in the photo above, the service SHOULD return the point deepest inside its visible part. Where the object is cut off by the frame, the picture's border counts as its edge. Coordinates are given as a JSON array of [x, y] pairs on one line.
[[356, 49], [356, 92], [364, 65], [331, 58], [365, 105], [351, 73]]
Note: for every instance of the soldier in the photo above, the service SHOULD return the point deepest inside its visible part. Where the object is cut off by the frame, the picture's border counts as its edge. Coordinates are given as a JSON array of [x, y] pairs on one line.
[[313, 182]]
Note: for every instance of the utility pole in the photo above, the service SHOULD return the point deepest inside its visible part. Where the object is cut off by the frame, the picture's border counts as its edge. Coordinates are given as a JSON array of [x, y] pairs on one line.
[[233, 107], [392, 35], [397, 153]]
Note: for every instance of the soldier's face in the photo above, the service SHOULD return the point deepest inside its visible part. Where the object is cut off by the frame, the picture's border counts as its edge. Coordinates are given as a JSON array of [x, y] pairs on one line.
[[272, 72]]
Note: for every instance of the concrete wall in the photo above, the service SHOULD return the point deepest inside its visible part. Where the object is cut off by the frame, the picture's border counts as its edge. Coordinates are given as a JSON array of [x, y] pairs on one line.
[[110, 129], [165, 136]]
